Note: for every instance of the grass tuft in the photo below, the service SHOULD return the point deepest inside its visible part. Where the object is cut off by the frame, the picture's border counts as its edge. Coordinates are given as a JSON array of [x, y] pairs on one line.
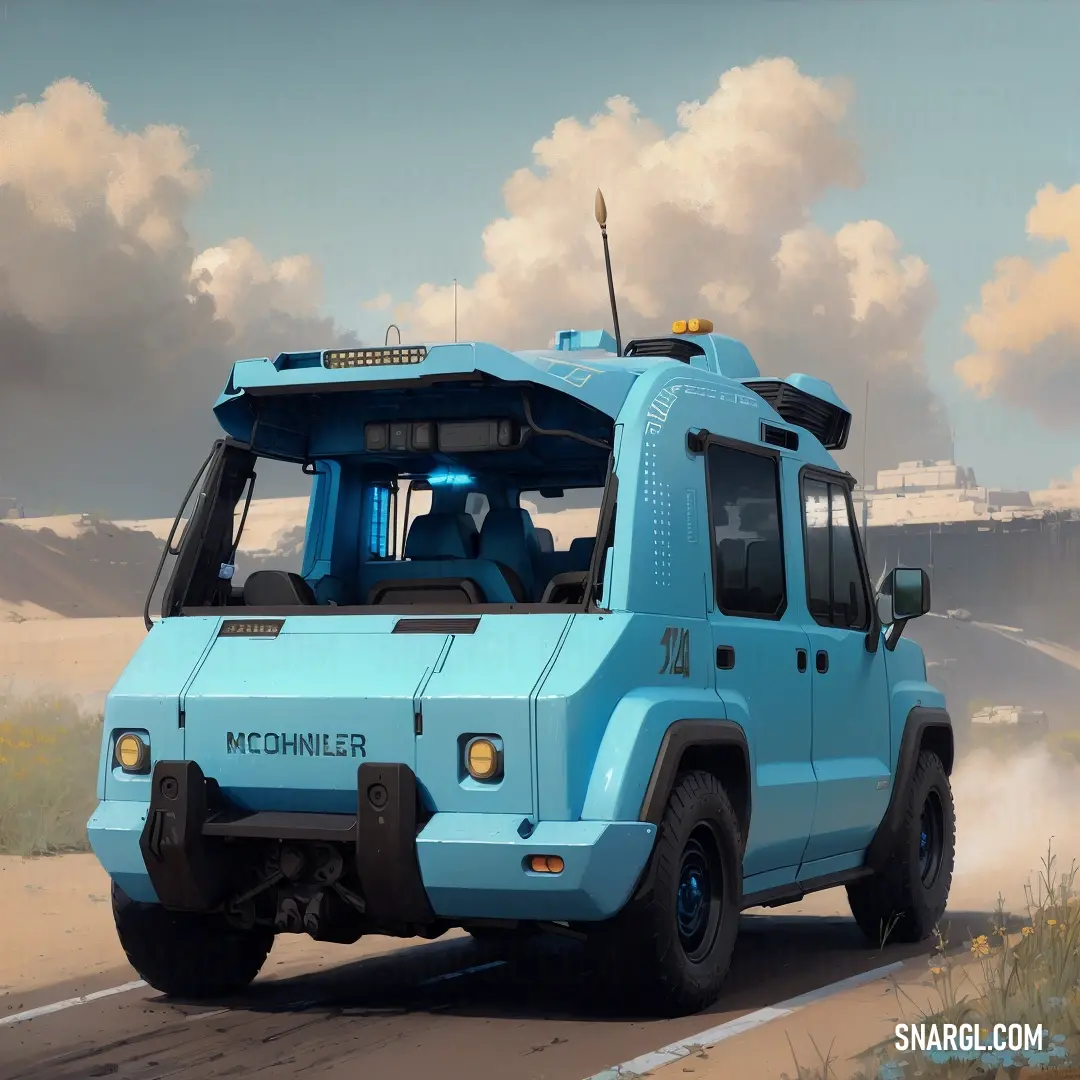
[[48, 774], [1019, 971]]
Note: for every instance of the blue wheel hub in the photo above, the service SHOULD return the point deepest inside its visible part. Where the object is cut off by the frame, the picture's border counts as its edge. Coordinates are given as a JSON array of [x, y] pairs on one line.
[[693, 899], [931, 838], [699, 895]]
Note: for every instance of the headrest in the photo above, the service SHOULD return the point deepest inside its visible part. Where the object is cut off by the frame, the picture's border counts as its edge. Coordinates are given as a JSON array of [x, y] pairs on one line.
[[509, 537], [581, 548], [507, 520], [440, 536], [545, 540], [277, 588], [763, 553]]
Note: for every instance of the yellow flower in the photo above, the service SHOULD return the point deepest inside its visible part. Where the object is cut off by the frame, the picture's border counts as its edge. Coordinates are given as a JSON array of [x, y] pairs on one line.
[[1051, 922], [935, 971], [980, 946], [1027, 931]]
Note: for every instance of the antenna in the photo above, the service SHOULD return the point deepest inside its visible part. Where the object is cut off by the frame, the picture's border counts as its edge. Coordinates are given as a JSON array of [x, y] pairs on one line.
[[865, 484], [601, 220], [865, 430], [392, 326], [455, 309]]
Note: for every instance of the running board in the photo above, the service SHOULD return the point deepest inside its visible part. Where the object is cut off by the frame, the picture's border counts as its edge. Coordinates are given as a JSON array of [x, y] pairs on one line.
[[797, 890]]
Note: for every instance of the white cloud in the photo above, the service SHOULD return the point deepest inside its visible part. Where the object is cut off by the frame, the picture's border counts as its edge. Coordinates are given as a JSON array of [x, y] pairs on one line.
[[115, 338], [245, 286], [713, 220], [381, 302], [1027, 333]]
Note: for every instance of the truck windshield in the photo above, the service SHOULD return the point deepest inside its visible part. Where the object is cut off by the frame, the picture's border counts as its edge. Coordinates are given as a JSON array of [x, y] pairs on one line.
[[506, 530]]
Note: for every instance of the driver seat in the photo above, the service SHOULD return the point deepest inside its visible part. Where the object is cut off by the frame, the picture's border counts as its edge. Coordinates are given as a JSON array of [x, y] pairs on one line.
[[508, 539]]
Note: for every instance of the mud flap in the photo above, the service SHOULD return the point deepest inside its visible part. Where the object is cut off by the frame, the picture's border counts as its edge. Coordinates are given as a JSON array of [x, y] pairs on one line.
[[386, 859], [184, 873]]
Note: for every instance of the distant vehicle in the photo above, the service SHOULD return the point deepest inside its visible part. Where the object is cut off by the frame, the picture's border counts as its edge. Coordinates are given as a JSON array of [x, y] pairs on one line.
[[960, 614], [1011, 719], [700, 708]]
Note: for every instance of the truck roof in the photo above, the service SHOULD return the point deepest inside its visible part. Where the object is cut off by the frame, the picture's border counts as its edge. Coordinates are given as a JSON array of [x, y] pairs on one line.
[[580, 364]]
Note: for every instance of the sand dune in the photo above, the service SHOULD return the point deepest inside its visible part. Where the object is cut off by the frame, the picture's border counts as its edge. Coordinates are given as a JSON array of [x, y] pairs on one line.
[[99, 572]]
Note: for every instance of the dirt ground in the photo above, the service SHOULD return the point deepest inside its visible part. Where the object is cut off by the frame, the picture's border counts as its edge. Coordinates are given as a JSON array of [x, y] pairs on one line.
[[65, 929], [80, 657]]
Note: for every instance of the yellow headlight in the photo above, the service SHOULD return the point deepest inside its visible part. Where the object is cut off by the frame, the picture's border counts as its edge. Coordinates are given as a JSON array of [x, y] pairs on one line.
[[482, 759], [131, 753]]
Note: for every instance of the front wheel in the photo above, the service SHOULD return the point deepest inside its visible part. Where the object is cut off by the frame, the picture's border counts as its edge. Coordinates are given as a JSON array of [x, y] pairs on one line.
[[670, 948], [905, 900], [188, 955]]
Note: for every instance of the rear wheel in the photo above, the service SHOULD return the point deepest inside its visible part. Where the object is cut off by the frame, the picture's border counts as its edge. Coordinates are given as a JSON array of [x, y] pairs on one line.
[[905, 900], [670, 949], [188, 955]]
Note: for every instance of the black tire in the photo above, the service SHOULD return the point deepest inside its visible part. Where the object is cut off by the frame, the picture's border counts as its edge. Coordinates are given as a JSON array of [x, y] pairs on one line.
[[669, 950], [904, 902], [185, 955]]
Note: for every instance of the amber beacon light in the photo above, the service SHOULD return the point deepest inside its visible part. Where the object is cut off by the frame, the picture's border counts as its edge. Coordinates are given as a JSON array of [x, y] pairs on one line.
[[692, 326]]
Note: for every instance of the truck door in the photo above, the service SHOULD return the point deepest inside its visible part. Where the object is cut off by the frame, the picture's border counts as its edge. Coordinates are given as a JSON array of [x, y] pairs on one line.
[[761, 652], [850, 685]]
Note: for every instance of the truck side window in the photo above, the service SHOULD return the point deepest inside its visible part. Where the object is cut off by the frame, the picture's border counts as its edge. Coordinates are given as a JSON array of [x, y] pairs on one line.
[[748, 550], [835, 584]]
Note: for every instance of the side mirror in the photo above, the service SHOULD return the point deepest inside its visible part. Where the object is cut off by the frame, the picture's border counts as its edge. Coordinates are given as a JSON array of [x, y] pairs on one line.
[[904, 595]]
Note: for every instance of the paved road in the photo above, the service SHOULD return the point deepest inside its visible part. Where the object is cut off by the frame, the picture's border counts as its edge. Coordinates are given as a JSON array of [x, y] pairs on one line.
[[431, 1010], [993, 666]]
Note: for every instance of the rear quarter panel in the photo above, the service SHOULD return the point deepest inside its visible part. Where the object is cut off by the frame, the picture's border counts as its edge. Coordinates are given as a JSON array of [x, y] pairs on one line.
[[605, 688]]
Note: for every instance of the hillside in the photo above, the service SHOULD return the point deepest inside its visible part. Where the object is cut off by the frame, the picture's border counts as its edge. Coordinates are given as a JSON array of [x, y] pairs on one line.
[[100, 571]]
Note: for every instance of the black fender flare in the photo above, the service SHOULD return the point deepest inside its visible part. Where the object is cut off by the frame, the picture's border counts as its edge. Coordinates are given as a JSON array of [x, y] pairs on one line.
[[680, 736], [921, 722]]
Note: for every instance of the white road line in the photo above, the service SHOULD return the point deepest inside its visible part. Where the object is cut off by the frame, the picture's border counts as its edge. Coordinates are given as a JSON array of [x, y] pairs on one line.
[[463, 971], [67, 1003], [640, 1066]]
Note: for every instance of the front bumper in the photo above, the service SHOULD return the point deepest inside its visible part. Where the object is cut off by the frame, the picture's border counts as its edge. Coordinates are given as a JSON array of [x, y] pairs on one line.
[[453, 867]]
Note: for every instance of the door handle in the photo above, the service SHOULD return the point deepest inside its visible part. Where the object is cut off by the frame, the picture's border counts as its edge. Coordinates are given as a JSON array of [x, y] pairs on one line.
[[725, 657], [822, 661], [800, 659]]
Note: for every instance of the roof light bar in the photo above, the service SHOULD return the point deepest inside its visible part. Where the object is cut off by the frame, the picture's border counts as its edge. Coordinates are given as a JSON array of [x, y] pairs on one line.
[[394, 354]]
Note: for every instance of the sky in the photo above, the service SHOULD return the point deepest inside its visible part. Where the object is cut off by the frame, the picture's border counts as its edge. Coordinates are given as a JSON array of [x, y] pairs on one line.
[[876, 191]]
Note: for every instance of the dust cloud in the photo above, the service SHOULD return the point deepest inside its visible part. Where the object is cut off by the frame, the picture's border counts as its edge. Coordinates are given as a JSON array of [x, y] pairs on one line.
[[1009, 808]]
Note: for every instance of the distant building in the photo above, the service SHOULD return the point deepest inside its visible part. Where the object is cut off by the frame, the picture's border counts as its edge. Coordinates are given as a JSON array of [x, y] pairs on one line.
[[929, 492], [1008, 557], [10, 508]]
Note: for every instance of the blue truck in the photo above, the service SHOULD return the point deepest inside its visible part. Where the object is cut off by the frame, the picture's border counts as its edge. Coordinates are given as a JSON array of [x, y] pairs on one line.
[[705, 706]]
